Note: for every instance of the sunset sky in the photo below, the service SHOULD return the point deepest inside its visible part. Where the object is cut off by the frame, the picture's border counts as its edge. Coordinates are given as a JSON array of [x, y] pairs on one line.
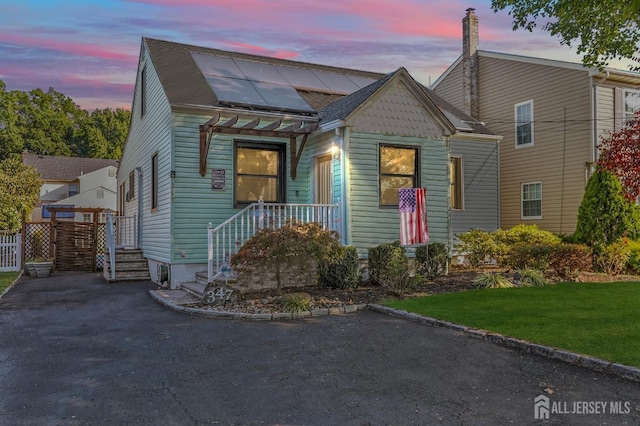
[[88, 49]]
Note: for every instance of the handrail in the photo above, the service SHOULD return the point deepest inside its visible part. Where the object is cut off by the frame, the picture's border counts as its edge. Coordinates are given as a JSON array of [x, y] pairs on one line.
[[226, 239], [121, 232]]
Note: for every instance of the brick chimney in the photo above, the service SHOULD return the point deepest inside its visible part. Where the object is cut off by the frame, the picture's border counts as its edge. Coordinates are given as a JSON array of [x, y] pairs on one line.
[[470, 63]]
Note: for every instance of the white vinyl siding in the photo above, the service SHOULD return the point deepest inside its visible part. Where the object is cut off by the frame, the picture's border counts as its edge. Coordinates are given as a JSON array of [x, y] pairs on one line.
[[532, 200], [631, 104], [524, 124]]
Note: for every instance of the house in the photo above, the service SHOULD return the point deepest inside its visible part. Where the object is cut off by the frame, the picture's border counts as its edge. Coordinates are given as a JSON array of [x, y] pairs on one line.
[[551, 115], [74, 182], [213, 132]]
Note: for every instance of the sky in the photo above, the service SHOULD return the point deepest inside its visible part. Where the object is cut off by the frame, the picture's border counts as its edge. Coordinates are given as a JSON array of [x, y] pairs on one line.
[[88, 49]]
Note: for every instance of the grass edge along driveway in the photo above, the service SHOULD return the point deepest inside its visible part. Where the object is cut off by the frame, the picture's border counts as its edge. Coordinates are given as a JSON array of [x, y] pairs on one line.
[[597, 319], [6, 279]]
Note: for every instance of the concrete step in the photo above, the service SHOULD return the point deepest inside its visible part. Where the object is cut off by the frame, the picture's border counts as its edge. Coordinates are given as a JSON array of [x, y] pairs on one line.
[[194, 288], [129, 264], [127, 276]]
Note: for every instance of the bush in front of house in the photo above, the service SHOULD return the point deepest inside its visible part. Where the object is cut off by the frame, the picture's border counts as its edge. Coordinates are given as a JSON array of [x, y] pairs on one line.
[[633, 263], [389, 267], [431, 260], [478, 246], [532, 278], [568, 260], [529, 257], [605, 215], [613, 258], [341, 270], [492, 280]]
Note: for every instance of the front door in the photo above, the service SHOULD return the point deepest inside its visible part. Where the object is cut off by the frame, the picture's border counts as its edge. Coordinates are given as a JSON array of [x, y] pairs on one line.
[[323, 192]]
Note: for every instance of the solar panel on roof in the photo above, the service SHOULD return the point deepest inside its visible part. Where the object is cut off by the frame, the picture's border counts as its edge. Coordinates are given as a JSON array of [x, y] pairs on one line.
[[301, 78], [235, 91], [217, 65], [360, 81], [258, 71], [278, 95], [336, 82]]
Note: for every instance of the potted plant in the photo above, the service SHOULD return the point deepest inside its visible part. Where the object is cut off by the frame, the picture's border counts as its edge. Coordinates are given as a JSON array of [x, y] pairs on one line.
[[39, 267]]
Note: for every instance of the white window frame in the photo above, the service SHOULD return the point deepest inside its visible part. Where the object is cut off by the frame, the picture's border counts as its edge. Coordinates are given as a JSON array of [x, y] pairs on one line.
[[522, 200], [626, 115], [461, 178], [517, 123]]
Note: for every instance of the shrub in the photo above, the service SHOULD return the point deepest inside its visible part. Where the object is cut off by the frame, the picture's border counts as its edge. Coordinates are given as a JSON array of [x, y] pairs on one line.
[[389, 267], [605, 214], [492, 280], [340, 271], [528, 234], [613, 258], [477, 245], [431, 260], [529, 257], [568, 260], [532, 278], [296, 302], [634, 256]]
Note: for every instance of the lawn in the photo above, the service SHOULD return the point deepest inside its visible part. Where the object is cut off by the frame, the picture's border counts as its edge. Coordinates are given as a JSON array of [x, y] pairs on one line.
[[6, 278], [597, 319]]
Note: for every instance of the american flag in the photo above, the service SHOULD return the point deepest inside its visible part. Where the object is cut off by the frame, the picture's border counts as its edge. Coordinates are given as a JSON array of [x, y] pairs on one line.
[[412, 203]]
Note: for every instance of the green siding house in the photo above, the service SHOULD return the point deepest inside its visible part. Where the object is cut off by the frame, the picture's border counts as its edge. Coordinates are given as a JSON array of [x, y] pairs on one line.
[[213, 132]]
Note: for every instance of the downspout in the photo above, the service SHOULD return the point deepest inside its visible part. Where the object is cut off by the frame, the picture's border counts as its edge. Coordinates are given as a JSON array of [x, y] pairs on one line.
[[345, 204], [140, 208], [594, 121]]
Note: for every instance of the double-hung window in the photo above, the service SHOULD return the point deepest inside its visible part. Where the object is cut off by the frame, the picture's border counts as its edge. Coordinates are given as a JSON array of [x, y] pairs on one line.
[[260, 173], [524, 124], [399, 167], [631, 104], [532, 200]]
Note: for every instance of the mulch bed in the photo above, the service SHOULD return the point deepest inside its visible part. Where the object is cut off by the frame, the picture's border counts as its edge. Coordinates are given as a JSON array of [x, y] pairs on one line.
[[321, 297]]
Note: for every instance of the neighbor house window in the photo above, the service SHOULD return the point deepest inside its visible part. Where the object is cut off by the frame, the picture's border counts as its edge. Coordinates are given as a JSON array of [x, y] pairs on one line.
[[524, 124], [74, 188], [259, 173], [154, 181], [455, 183], [131, 185], [100, 193], [631, 104], [398, 169], [532, 200], [87, 217]]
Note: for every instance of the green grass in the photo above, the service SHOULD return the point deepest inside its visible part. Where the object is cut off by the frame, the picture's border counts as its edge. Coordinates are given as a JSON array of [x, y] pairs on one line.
[[597, 319], [6, 278]]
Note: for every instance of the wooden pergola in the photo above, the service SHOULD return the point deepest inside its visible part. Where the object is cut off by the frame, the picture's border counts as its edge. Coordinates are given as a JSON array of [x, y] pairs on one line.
[[272, 129]]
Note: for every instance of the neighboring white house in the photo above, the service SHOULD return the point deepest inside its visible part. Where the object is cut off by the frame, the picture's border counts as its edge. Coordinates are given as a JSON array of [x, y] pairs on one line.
[[75, 182]]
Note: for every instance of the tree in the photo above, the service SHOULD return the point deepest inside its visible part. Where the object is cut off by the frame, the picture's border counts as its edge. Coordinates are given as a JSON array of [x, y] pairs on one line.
[[51, 123], [602, 29], [620, 154], [19, 192], [605, 214]]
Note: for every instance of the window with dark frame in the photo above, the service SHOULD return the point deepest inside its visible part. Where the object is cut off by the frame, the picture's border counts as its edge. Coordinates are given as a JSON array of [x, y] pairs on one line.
[[131, 185], [524, 123], [143, 91], [398, 168], [154, 181], [455, 176], [532, 200], [260, 172]]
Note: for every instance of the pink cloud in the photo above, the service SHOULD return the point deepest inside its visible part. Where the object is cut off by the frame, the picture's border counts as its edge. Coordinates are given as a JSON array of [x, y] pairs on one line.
[[79, 49], [263, 51]]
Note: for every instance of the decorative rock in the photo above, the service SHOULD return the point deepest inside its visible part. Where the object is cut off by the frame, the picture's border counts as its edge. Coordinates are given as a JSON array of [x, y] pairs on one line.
[[336, 310], [319, 312], [301, 314], [350, 308]]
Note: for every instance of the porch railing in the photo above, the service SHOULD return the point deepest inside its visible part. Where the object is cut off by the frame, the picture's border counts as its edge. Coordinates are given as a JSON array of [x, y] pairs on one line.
[[121, 232], [226, 239]]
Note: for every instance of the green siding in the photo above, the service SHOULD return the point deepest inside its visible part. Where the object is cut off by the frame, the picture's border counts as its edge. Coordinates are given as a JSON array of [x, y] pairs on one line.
[[195, 204], [371, 225]]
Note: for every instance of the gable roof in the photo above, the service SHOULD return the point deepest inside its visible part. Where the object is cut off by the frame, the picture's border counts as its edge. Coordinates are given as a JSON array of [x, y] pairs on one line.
[[185, 83], [342, 108], [65, 169]]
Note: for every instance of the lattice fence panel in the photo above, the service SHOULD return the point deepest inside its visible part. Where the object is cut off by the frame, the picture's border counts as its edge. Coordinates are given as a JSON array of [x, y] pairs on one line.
[[37, 241]]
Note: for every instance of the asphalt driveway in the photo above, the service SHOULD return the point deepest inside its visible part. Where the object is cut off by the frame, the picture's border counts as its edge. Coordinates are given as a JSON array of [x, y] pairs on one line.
[[77, 351]]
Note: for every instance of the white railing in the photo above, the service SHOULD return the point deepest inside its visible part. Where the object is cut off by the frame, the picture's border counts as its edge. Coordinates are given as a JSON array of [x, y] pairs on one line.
[[226, 239], [10, 252], [121, 232]]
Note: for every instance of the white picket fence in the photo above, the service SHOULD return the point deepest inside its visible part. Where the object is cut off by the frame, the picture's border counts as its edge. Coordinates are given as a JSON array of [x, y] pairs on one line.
[[10, 252]]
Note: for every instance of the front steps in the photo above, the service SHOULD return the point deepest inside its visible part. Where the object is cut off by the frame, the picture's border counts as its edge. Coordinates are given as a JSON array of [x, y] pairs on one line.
[[130, 266]]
